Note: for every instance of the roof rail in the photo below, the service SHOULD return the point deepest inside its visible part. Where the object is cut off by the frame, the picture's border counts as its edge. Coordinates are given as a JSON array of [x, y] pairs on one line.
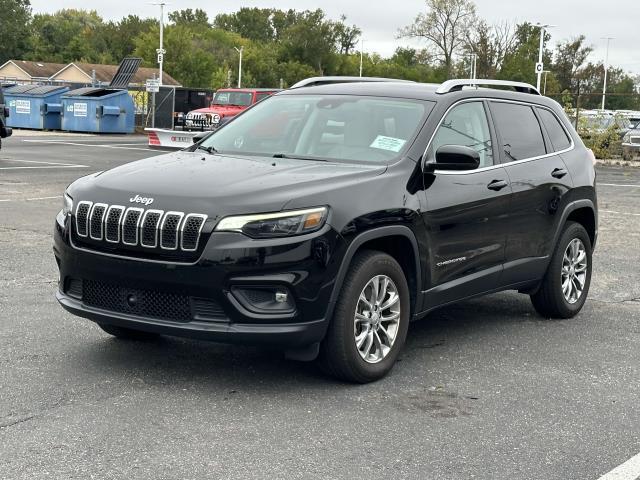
[[459, 84], [316, 81]]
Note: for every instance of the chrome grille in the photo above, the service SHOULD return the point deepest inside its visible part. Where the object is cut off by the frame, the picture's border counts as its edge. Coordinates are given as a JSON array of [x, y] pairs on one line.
[[130, 224], [635, 140], [191, 230], [149, 228], [96, 220], [137, 227], [82, 218], [112, 223], [169, 230]]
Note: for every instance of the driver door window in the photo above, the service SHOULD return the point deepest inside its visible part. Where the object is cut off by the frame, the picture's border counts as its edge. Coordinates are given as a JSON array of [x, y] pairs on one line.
[[466, 125]]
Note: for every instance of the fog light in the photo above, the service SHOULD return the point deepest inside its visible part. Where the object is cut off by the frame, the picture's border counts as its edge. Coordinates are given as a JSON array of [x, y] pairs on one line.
[[264, 298]]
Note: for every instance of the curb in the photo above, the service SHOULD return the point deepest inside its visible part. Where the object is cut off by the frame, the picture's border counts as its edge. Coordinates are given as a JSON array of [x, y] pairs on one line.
[[618, 163]]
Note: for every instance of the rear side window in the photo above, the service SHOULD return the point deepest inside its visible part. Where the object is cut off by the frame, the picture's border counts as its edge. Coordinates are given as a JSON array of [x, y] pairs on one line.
[[520, 131], [557, 134]]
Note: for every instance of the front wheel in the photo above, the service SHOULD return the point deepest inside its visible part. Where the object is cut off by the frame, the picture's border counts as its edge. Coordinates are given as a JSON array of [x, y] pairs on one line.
[[370, 320], [565, 286]]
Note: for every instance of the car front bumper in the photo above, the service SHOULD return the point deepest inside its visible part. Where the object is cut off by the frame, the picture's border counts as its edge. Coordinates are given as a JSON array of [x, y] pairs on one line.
[[210, 291]]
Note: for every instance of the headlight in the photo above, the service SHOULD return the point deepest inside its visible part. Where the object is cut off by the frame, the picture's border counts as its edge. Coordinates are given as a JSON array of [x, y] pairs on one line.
[[627, 138], [67, 204], [67, 208], [281, 224]]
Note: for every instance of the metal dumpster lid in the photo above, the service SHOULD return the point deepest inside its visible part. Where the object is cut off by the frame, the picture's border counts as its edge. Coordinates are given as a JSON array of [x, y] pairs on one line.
[[46, 89], [20, 88]]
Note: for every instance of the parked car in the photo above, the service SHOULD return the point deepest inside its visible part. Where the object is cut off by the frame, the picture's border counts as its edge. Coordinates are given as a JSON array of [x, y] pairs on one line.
[[631, 143], [325, 219], [4, 114], [227, 103], [598, 121]]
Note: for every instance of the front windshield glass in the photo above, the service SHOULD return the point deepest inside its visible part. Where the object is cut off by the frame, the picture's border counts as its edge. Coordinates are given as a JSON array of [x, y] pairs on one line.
[[330, 127], [242, 99]]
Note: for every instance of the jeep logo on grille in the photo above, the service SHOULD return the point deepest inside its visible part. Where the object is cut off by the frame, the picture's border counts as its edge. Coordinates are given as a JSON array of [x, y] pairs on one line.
[[138, 199]]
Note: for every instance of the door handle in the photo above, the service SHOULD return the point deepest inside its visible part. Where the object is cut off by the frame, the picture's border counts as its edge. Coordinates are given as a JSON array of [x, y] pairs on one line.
[[497, 185], [558, 173]]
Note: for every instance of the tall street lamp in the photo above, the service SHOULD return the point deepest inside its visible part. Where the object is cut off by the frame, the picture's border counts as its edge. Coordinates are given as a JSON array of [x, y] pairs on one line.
[[240, 50], [161, 51], [540, 65], [606, 69]]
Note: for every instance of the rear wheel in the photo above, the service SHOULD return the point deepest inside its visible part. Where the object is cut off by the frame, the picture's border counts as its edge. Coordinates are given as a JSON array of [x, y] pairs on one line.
[[127, 333], [566, 284], [370, 320]]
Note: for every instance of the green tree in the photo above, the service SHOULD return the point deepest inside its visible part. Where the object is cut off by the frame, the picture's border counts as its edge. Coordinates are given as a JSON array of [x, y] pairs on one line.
[[521, 58], [15, 20], [120, 36], [69, 35], [190, 18], [571, 56], [445, 27], [252, 23]]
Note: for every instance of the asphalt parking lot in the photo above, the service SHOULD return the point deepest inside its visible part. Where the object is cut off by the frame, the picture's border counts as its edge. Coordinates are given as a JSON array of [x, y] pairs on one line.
[[484, 389]]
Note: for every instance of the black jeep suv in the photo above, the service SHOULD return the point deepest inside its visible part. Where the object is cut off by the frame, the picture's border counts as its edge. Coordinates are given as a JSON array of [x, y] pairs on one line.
[[324, 219]]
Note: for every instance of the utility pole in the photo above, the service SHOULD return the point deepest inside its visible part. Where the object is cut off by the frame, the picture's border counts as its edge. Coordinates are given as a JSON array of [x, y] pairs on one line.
[[606, 69], [240, 50], [540, 65], [161, 51], [361, 54]]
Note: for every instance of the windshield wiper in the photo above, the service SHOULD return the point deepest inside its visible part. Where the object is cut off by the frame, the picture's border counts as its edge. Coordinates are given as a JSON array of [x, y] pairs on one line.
[[299, 157], [210, 150]]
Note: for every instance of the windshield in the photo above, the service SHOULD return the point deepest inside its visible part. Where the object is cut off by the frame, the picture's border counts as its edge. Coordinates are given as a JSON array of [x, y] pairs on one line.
[[242, 99], [334, 127]]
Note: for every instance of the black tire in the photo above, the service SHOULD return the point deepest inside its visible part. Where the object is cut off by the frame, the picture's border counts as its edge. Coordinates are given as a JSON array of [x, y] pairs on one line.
[[549, 300], [127, 333], [339, 355]]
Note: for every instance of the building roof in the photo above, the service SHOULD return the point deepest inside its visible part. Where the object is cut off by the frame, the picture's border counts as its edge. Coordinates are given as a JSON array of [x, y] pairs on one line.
[[37, 69], [104, 73]]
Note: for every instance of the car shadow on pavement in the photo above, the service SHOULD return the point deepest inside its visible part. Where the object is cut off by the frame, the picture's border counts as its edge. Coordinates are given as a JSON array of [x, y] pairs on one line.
[[174, 361]]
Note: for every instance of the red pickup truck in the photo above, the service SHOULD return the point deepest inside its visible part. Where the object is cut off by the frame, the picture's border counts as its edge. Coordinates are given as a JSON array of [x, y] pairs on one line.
[[227, 102]]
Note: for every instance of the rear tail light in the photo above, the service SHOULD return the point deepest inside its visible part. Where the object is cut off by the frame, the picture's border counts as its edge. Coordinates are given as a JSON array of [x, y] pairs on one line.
[[153, 139]]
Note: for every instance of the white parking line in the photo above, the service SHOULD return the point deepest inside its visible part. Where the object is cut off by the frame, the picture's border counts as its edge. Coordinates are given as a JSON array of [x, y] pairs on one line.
[[75, 144], [629, 470], [617, 185], [34, 199], [42, 164], [620, 213]]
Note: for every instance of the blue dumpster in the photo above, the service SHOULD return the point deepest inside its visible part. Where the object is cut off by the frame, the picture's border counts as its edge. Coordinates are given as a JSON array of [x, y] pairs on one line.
[[35, 106], [98, 110]]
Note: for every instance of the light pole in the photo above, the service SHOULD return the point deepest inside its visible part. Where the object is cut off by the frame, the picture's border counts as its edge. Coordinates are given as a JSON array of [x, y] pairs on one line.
[[161, 51], [361, 54], [540, 65], [240, 50], [473, 58], [606, 69]]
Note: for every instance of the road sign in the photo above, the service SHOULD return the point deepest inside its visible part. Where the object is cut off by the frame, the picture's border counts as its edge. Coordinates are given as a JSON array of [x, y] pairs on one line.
[[539, 67], [161, 50], [160, 57], [153, 85]]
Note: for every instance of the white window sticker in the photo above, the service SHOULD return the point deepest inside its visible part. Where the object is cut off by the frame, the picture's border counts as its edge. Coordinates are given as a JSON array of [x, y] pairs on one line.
[[23, 106], [79, 109], [391, 144]]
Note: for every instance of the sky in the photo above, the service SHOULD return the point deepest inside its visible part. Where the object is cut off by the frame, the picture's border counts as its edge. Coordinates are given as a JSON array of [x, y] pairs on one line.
[[380, 21]]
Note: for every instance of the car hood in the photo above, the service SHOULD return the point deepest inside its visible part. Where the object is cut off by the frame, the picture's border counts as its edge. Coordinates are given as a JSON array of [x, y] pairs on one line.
[[219, 185], [221, 110]]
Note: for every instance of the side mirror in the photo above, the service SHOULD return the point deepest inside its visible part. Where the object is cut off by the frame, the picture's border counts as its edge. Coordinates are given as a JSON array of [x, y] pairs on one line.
[[200, 136], [454, 157]]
